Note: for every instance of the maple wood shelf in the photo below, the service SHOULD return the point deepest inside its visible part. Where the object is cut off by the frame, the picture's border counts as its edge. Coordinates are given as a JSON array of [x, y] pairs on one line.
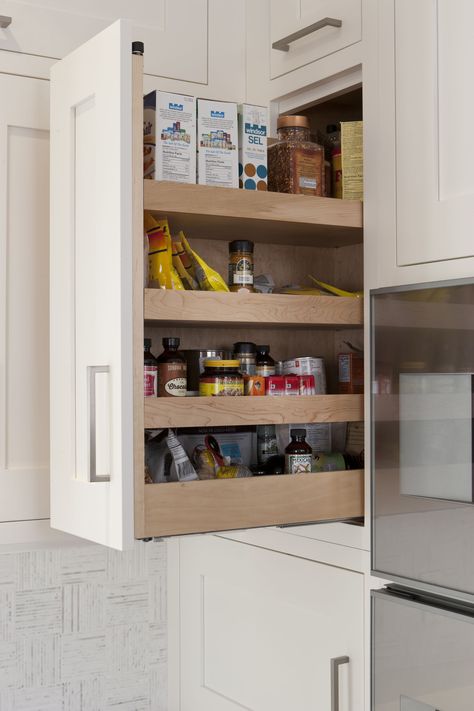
[[277, 218]]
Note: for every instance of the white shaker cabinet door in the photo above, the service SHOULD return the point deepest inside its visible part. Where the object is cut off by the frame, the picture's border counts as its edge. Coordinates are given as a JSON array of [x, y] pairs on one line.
[[313, 29], [175, 34], [259, 630], [91, 290], [24, 298], [434, 54]]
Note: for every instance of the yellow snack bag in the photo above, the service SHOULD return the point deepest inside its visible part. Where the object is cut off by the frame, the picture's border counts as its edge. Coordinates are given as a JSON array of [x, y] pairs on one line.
[[186, 278], [187, 263], [175, 278], [208, 279], [161, 271]]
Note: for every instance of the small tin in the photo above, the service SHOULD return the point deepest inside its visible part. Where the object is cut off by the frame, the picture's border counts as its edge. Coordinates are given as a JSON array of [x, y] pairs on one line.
[[254, 385], [292, 385], [307, 365], [275, 385], [306, 384]]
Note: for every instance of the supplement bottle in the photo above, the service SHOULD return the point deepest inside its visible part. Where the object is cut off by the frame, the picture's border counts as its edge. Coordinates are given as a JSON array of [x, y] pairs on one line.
[[265, 363], [295, 163], [171, 370], [266, 443], [298, 454], [241, 265], [150, 371]]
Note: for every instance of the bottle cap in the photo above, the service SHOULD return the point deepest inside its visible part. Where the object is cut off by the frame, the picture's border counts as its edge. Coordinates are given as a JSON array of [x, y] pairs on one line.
[[241, 245], [138, 48], [263, 349], [332, 128], [291, 121], [147, 342], [245, 347], [298, 433], [211, 363], [171, 342]]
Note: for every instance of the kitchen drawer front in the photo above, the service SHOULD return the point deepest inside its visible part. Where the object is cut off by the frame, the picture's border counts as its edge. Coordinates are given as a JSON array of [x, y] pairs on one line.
[[175, 38], [291, 16]]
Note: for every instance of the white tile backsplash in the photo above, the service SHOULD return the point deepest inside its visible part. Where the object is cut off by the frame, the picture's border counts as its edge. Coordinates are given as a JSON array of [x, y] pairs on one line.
[[83, 629]]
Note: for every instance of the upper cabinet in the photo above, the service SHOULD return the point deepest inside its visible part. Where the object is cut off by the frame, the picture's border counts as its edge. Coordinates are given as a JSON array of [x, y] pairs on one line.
[[176, 37], [303, 31], [434, 49]]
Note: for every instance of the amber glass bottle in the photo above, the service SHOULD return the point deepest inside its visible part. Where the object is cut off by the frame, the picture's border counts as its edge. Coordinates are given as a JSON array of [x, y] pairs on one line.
[[171, 370], [298, 454], [265, 363]]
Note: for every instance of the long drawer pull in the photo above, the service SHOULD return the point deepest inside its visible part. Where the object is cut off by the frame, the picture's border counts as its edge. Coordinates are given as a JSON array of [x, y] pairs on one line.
[[92, 371], [335, 664], [283, 44]]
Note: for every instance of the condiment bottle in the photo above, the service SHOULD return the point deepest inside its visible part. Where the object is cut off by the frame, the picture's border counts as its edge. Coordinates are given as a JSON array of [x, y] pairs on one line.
[[298, 454], [171, 370], [295, 163], [265, 363], [150, 371], [241, 265], [246, 353], [267, 445]]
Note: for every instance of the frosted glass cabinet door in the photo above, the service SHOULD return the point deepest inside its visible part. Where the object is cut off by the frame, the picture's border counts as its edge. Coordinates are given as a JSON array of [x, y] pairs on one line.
[[434, 50], [91, 290], [24, 298]]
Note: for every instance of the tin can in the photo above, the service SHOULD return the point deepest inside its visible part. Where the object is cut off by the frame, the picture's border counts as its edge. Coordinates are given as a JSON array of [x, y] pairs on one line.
[[308, 365], [275, 385], [306, 384], [292, 385], [254, 385]]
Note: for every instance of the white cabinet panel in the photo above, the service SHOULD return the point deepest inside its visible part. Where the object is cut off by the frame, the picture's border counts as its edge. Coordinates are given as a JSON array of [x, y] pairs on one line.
[[434, 49], [290, 16], [24, 298], [175, 34], [91, 290], [259, 629]]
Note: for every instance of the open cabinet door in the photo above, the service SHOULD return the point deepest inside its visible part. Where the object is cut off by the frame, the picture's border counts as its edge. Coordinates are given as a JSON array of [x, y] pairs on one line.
[[91, 290]]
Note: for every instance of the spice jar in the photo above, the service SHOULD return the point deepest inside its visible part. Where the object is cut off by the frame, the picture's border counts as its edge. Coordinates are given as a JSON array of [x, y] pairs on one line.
[[295, 163], [246, 353], [221, 377], [298, 454], [241, 265]]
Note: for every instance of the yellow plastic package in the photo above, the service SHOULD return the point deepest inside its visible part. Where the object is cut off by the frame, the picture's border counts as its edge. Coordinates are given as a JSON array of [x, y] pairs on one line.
[[185, 276], [208, 279], [161, 272]]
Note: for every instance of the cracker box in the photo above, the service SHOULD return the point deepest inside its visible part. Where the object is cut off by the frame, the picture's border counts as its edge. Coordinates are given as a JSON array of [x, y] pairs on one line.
[[169, 133], [352, 160], [253, 130], [217, 141]]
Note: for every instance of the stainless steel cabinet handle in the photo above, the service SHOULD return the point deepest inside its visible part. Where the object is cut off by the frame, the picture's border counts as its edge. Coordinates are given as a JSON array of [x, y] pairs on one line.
[[284, 44], [92, 371], [5, 21], [335, 664]]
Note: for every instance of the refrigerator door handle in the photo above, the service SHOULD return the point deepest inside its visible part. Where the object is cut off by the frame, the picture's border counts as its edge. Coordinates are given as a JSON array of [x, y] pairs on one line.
[[335, 664]]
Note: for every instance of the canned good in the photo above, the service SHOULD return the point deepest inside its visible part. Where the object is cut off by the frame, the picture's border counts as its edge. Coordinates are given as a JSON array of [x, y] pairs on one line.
[[254, 385], [221, 378], [292, 385], [307, 365], [306, 384], [275, 385]]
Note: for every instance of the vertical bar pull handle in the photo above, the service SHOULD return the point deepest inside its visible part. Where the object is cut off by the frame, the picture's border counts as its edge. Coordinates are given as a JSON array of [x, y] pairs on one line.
[[283, 44], [5, 21], [92, 371], [335, 664]]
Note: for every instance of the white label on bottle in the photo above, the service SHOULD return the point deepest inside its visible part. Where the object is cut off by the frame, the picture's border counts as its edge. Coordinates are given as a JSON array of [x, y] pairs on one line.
[[177, 386], [310, 183], [298, 463]]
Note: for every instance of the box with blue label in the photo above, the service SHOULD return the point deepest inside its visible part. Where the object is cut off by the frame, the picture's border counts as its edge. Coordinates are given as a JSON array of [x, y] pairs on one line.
[[217, 143], [253, 130], [169, 137]]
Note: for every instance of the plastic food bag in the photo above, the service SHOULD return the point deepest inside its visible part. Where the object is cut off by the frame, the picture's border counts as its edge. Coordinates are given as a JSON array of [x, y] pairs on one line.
[[208, 279]]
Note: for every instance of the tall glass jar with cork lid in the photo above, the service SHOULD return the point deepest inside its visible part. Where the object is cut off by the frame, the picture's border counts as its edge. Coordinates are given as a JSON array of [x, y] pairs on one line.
[[295, 162]]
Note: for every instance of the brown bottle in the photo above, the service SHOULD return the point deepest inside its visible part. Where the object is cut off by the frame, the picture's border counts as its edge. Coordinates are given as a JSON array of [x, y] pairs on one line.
[[298, 454], [150, 371], [171, 370], [265, 363]]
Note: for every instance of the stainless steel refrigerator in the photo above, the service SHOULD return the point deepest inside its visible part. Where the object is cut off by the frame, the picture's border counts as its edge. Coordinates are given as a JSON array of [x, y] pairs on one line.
[[422, 453]]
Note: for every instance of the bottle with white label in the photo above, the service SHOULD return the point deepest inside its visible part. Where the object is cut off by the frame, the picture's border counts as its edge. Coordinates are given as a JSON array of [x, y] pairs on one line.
[[150, 371], [265, 363], [172, 380], [298, 454]]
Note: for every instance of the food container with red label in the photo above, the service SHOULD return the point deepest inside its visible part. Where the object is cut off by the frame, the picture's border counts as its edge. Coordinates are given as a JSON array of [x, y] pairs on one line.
[[292, 385], [306, 384], [275, 385], [254, 385]]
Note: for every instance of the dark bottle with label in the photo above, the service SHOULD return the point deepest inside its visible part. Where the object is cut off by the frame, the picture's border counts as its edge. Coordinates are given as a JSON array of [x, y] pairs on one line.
[[171, 370], [265, 363], [150, 371], [298, 454]]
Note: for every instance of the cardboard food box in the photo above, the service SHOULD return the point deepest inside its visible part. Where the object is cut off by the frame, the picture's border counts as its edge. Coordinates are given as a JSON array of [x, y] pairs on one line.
[[217, 143], [169, 137], [253, 130], [352, 160], [351, 373]]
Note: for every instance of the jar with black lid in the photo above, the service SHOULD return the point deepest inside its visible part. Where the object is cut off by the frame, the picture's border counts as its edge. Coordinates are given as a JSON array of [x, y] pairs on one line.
[[246, 353], [221, 378], [241, 265]]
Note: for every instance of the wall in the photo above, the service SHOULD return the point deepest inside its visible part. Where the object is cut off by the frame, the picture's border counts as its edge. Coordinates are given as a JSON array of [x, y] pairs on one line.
[[83, 628]]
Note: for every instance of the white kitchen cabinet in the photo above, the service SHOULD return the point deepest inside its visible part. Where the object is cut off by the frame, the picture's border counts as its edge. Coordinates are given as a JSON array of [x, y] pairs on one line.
[[24, 299], [302, 31], [260, 630], [175, 34]]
